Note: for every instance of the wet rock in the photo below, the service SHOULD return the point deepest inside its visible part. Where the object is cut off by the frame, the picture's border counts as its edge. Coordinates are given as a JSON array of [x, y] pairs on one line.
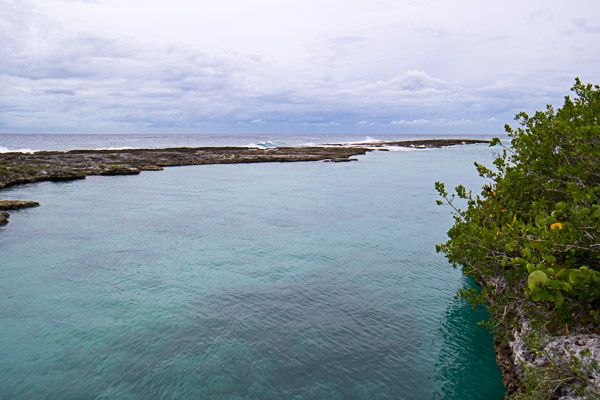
[[342, 159], [17, 204], [59, 176], [18, 168], [3, 217], [118, 170]]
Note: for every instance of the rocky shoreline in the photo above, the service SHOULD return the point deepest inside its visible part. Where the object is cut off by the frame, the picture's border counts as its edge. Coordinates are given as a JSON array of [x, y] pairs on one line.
[[17, 168], [531, 357], [20, 168], [11, 205]]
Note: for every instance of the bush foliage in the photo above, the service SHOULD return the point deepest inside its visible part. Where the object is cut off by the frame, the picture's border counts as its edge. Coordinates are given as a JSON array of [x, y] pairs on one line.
[[537, 222]]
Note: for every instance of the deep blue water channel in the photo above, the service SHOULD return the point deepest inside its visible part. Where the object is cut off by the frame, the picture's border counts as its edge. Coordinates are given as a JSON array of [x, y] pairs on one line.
[[259, 281]]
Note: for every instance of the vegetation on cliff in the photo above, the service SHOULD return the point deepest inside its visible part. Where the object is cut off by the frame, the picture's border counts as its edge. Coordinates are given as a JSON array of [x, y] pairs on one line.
[[535, 227]]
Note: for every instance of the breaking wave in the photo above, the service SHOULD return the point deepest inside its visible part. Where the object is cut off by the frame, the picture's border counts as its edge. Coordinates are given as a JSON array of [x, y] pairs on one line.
[[6, 150]]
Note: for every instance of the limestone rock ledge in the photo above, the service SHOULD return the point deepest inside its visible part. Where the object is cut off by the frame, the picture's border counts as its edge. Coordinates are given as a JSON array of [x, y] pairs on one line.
[[533, 361], [7, 205], [10, 205], [567, 364], [19, 168]]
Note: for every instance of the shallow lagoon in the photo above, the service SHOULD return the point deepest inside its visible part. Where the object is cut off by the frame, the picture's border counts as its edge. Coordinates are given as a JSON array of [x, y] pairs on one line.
[[260, 281]]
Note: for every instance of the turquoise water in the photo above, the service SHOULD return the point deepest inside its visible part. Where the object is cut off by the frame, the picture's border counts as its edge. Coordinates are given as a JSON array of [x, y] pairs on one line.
[[259, 281]]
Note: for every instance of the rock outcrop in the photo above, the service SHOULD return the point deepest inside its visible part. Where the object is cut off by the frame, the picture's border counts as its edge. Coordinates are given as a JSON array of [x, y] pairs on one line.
[[11, 205], [3, 217], [535, 361], [16, 168], [8, 205], [418, 144]]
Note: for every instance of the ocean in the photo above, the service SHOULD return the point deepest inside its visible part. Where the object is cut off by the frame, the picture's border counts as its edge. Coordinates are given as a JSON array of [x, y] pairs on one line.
[[304, 280]]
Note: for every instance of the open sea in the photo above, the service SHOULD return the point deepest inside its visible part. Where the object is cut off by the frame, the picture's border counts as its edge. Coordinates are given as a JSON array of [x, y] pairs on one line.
[[305, 280]]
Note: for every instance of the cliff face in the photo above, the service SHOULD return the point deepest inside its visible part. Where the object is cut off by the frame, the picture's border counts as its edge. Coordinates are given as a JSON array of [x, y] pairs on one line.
[[566, 366], [535, 363]]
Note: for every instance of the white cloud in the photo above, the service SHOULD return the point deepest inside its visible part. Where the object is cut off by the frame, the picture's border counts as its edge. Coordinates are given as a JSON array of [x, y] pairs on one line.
[[185, 64], [322, 124], [438, 122], [413, 122]]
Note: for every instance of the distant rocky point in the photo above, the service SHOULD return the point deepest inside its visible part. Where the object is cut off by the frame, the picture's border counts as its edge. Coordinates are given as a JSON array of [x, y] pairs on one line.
[[418, 144], [20, 168]]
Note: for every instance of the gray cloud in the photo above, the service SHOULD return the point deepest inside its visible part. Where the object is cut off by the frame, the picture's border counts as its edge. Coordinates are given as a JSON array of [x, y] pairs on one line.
[[424, 74]]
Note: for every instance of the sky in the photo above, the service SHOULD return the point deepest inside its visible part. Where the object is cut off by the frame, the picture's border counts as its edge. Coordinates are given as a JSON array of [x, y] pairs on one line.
[[289, 66]]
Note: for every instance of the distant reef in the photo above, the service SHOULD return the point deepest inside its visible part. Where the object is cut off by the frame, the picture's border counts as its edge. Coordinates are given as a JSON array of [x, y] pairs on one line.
[[18, 168]]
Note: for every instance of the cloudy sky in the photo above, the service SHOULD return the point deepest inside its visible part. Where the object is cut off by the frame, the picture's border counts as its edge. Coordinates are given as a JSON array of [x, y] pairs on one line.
[[289, 66]]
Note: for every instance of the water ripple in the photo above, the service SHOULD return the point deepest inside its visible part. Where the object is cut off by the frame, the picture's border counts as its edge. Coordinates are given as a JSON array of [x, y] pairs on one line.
[[296, 281]]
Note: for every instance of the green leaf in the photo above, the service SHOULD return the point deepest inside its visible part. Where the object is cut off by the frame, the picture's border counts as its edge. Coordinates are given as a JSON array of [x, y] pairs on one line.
[[558, 299], [573, 275], [561, 205], [536, 296], [561, 273], [536, 278], [557, 214], [584, 211], [552, 284]]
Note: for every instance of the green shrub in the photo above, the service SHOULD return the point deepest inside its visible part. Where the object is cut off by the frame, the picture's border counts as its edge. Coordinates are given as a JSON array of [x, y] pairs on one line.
[[537, 222]]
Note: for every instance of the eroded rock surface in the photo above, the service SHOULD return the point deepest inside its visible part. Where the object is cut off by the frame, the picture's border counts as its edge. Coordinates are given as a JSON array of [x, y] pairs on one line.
[[18, 168], [17, 204], [530, 357], [3, 217]]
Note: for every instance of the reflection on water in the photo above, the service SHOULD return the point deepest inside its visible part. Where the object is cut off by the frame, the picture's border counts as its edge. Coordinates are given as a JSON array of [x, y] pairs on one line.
[[463, 368]]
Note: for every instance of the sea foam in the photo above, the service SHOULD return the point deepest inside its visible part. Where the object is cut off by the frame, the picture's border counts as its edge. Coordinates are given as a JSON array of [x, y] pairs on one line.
[[7, 150]]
